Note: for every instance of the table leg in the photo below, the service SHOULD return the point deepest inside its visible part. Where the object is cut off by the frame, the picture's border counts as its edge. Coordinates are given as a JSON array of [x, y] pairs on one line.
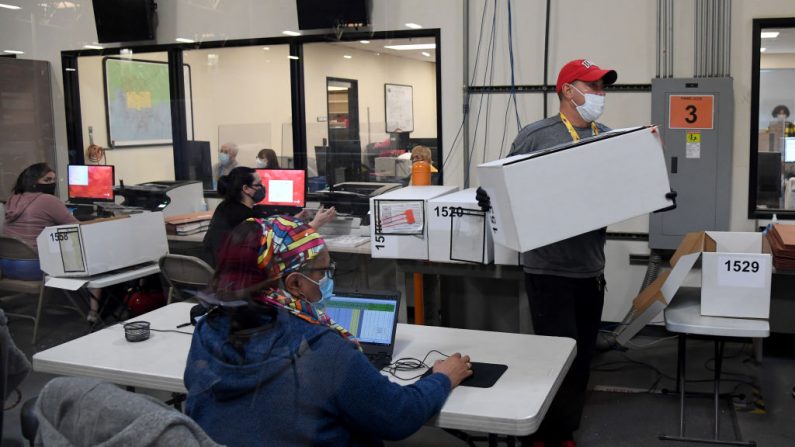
[[718, 365], [682, 364], [682, 379]]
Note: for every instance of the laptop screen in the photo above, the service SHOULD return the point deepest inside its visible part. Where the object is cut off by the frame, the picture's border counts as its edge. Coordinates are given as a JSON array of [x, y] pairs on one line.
[[369, 317]]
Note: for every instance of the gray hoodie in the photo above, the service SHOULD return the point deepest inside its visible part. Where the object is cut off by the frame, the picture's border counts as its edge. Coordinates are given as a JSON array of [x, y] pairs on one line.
[[77, 411]]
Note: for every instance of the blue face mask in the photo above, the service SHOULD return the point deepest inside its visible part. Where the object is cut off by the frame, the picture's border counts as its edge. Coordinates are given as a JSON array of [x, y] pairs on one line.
[[326, 286], [223, 158]]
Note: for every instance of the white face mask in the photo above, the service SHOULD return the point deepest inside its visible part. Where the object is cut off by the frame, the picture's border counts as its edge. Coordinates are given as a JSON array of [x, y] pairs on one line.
[[262, 164], [593, 107]]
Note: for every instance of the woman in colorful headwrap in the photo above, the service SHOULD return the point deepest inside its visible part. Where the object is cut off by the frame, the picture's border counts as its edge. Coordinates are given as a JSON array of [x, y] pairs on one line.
[[268, 367]]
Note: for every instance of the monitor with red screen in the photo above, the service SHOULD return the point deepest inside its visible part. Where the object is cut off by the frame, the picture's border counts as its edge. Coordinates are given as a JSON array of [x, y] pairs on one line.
[[93, 183], [283, 187]]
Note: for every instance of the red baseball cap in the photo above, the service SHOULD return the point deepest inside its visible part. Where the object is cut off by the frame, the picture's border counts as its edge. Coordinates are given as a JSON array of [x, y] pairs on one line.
[[584, 70]]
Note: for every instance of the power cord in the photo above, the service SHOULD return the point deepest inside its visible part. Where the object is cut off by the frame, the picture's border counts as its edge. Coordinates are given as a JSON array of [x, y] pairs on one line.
[[410, 364]]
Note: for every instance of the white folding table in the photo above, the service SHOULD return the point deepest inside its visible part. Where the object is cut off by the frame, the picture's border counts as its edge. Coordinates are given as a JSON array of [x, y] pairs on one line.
[[514, 406], [683, 316]]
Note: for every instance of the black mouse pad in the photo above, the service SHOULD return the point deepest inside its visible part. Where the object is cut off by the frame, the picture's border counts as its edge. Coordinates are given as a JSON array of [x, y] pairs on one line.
[[484, 375]]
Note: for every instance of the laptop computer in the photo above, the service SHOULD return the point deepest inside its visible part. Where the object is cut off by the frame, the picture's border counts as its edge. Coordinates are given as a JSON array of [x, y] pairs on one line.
[[371, 316]]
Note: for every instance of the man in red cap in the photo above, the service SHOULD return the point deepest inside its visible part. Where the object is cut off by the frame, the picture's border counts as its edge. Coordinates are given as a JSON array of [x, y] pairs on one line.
[[565, 280]]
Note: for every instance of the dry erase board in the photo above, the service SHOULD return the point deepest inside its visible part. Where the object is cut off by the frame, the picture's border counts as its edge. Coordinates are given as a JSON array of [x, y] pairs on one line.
[[399, 108]]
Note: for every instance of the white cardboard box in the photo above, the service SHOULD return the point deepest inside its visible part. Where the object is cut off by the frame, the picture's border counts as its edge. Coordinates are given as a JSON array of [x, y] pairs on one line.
[[735, 273], [457, 229], [399, 222], [735, 279], [554, 194], [93, 247]]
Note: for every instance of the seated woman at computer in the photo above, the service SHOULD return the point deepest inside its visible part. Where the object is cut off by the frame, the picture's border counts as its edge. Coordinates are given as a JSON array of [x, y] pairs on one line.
[[266, 159], [242, 189], [268, 367], [32, 207]]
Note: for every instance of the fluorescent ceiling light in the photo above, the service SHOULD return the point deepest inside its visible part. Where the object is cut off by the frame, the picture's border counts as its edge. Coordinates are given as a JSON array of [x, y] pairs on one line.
[[292, 57], [69, 69], [426, 54], [13, 52], [364, 41], [770, 34], [266, 48], [413, 25], [291, 33], [3, 5], [93, 47], [412, 46], [184, 40], [347, 56], [762, 50]]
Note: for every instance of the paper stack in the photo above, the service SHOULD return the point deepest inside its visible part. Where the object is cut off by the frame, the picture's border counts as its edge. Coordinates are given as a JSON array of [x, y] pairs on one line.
[[782, 243], [187, 224]]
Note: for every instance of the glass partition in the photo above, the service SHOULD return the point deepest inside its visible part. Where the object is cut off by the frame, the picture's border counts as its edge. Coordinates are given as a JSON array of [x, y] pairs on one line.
[[240, 98], [347, 105], [772, 185]]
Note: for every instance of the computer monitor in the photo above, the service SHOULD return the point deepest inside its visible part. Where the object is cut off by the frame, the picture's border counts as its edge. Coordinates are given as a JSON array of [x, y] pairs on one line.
[[199, 162], [768, 180], [91, 183], [789, 149], [283, 187]]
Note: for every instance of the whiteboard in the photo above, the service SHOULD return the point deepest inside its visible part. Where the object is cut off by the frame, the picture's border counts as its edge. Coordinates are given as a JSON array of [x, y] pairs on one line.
[[399, 108]]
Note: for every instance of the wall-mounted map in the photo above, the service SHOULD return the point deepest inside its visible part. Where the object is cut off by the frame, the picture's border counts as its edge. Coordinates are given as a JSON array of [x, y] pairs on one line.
[[138, 102]]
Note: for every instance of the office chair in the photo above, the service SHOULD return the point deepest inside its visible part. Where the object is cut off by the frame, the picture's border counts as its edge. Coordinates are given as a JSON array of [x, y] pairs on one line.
[[184, 273], [15, 249]]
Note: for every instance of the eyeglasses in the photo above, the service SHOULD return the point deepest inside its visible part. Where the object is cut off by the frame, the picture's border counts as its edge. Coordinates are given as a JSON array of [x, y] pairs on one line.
[[329, 271]]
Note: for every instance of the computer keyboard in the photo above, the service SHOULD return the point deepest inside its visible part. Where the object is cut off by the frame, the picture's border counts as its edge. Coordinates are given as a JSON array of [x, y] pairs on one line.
[[348, 241]]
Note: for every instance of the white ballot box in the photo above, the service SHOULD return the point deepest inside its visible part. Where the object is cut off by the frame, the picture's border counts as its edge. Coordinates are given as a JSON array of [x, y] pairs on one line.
[[736, 270], [399, 222], [551, 195], [102, 245], [457, 229]]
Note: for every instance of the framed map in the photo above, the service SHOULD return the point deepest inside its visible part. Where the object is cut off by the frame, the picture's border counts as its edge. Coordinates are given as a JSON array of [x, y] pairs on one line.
[[138, 102]]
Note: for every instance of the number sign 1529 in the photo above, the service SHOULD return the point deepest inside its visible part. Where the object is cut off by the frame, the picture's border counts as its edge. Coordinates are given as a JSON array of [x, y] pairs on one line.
[[742, 271]]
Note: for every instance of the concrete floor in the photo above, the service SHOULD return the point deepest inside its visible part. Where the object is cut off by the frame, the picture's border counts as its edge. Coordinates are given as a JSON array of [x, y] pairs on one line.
[[626, 405]]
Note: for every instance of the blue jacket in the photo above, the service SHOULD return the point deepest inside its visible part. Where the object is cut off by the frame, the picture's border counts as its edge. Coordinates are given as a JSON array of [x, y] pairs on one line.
[[299, 384]]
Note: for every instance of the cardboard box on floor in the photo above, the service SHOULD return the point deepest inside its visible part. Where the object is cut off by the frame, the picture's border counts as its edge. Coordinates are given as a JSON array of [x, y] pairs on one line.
[[551, 195], [736, 270], [102, 245]]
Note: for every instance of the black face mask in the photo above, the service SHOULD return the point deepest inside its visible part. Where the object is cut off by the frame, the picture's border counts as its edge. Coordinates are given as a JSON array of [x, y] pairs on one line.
[[259, 196], [46, 188]]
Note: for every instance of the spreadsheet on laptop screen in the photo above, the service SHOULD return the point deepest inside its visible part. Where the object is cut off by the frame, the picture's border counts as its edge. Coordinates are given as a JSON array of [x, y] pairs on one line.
[[369, 320]]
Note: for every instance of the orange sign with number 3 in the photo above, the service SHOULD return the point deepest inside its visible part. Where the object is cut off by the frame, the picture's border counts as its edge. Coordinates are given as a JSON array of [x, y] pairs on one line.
[[690, 112]]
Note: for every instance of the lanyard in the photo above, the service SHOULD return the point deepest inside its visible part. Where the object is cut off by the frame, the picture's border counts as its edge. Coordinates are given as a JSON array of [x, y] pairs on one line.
[[574, 135]]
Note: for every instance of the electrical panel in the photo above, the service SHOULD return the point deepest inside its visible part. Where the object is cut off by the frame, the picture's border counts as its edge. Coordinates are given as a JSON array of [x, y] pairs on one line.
[[696, 119]]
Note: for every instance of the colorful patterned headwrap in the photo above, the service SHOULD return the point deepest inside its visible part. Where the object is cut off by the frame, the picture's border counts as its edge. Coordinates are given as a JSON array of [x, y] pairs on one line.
[[286, 245]]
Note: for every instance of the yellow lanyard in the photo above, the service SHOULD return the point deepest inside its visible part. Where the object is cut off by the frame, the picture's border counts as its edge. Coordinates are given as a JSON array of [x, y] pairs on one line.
[[574, 135]]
